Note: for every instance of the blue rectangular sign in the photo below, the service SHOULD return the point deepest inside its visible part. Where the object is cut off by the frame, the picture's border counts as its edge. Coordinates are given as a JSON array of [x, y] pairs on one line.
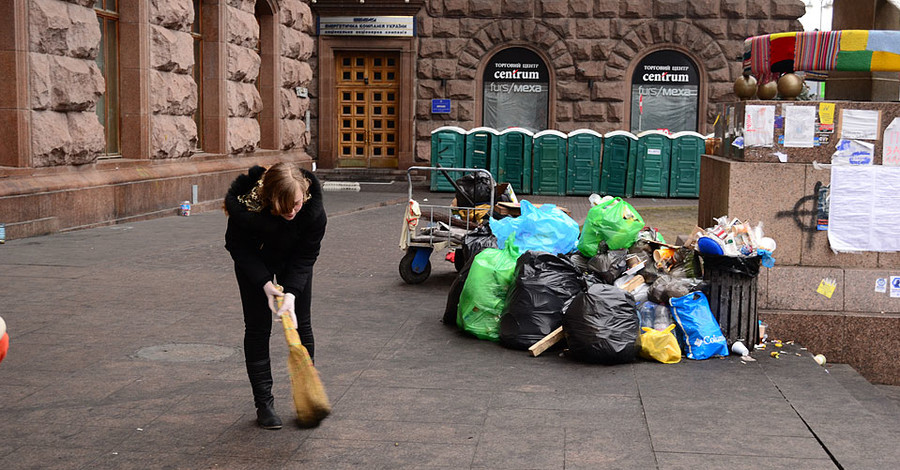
[[440, 106]]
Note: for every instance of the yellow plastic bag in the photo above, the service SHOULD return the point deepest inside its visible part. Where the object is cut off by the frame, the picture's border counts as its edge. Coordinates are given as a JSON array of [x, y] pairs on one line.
[[660, 346]]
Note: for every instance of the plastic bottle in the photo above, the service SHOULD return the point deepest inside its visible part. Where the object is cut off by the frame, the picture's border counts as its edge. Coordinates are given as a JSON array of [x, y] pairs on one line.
[[647, 314], [662, 318]]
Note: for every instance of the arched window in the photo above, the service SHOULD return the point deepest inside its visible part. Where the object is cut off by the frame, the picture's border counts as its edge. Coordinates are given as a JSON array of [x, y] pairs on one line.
[[516, 90], [665, 93]]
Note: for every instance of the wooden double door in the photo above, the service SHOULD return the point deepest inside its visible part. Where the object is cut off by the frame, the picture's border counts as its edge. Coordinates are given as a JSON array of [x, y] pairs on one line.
[[368, 90]]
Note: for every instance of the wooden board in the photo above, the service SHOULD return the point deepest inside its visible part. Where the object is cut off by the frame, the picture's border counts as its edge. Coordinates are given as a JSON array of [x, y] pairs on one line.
[[537, 348]]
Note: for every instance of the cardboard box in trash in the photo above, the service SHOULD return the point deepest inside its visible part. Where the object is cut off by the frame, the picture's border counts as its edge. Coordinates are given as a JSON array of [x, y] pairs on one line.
[[514, 209]]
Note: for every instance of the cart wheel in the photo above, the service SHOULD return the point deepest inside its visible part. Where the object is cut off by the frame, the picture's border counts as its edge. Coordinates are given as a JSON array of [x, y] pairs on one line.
[[459, 261], [406, 269]]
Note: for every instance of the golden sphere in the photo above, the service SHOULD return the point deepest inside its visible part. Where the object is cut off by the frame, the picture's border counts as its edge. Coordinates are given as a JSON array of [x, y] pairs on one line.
[[767, 91], [790, 86], [745, 87]]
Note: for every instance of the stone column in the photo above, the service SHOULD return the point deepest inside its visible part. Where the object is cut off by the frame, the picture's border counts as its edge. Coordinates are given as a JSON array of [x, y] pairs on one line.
[[134, 86], [15, 122], [863, 86], [215, 105]]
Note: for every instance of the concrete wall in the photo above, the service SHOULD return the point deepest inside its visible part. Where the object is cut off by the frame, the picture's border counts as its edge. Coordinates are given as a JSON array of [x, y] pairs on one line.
[[856, 325]]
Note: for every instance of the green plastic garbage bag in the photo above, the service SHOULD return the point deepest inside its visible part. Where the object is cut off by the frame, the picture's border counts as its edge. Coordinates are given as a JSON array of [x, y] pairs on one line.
[[484, 294], [613, 221]]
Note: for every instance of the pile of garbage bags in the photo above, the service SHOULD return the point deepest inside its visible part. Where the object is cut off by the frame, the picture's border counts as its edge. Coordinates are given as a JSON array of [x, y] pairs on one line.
[[614, 286]]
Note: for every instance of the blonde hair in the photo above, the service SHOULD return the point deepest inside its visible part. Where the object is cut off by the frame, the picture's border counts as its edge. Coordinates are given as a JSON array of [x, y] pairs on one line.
[[281, 186]]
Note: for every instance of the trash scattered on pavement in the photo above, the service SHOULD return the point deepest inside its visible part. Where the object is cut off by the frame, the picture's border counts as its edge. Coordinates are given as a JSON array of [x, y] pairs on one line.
[[630, 294]]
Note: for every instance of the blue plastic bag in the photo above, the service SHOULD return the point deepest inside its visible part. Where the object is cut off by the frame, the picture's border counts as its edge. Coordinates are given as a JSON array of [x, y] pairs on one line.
[[545, 228], [703, 338]]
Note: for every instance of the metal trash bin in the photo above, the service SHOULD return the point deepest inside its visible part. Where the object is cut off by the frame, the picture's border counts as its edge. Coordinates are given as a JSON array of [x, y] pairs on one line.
[[732, 287]]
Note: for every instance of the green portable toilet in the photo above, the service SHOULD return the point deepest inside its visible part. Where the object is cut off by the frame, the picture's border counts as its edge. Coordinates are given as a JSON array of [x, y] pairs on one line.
[[651, 173], [549, 163], [583, 167], [514, 165], [448, 149], [483, 149], [684, 175], [619, 160]]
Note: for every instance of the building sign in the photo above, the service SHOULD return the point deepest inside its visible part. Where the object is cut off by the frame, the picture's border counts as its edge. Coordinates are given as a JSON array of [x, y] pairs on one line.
[[385, 26], [516, 90], [440, 106], [665, 93]]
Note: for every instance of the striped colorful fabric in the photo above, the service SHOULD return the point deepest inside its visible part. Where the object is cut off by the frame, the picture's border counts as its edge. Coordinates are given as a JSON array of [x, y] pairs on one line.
[[817, 50], [760, 51], [850, 50]]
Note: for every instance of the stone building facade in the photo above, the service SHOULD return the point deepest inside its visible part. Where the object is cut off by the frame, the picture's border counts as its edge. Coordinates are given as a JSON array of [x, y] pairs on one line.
[[124, 109], [591, 48], [117, 110]]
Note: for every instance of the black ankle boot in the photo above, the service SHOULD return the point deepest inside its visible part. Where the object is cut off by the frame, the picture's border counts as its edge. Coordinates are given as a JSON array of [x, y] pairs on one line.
[[260, 374], [267, 419]]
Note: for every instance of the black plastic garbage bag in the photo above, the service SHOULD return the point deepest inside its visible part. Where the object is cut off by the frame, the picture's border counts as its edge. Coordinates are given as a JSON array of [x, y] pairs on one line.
[[667, 287], [476, 240], [602, 326], [744, 266], [609, 265], [579, 260], [474, 189], [534, 304], [456, 288]]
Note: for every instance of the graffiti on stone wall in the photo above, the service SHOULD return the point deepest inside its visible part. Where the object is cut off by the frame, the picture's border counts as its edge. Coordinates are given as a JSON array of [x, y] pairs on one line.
[[810, 212]]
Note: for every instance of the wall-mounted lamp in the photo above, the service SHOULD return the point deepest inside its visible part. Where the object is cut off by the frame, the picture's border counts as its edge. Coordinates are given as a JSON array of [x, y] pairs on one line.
[[443, 83]]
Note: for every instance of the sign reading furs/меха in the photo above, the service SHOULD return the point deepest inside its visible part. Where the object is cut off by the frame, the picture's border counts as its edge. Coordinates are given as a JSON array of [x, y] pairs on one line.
[[385, 26]]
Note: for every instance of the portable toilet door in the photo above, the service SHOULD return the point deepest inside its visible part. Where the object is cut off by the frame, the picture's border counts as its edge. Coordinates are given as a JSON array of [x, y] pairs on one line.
[[651, 174], [483, 149], [549, 163], [514, 166], [618, 162], [684, 175], [583, 167], [448, 146]]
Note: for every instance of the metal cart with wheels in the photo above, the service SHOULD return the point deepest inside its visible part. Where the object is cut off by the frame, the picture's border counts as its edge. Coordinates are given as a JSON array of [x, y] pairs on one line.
[[430, 227]]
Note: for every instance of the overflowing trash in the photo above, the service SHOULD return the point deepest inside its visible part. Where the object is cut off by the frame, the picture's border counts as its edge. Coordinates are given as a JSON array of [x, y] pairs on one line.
[[607, 292]]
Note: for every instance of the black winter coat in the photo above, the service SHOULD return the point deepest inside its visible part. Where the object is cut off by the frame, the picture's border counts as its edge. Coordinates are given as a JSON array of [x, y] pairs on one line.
[[263, 244]]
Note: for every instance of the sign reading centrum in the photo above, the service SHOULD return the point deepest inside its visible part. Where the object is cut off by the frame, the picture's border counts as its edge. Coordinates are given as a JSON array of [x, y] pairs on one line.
[[385, 26]]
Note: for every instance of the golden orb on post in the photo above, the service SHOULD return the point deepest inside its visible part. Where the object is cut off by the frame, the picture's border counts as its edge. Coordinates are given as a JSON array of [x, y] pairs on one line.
[[767, 91], [745, 86], [790, 86]]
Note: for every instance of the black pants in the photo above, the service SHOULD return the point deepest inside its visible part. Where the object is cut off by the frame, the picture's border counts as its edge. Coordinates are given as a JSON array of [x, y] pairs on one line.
[[258, 319]]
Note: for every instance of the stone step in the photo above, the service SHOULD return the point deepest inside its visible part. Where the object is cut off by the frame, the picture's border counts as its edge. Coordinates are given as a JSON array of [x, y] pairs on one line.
[[365, 175], [867, 394]]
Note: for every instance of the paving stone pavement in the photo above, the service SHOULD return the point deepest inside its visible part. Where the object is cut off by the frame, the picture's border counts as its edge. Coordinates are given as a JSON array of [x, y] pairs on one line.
[[125, 353]]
